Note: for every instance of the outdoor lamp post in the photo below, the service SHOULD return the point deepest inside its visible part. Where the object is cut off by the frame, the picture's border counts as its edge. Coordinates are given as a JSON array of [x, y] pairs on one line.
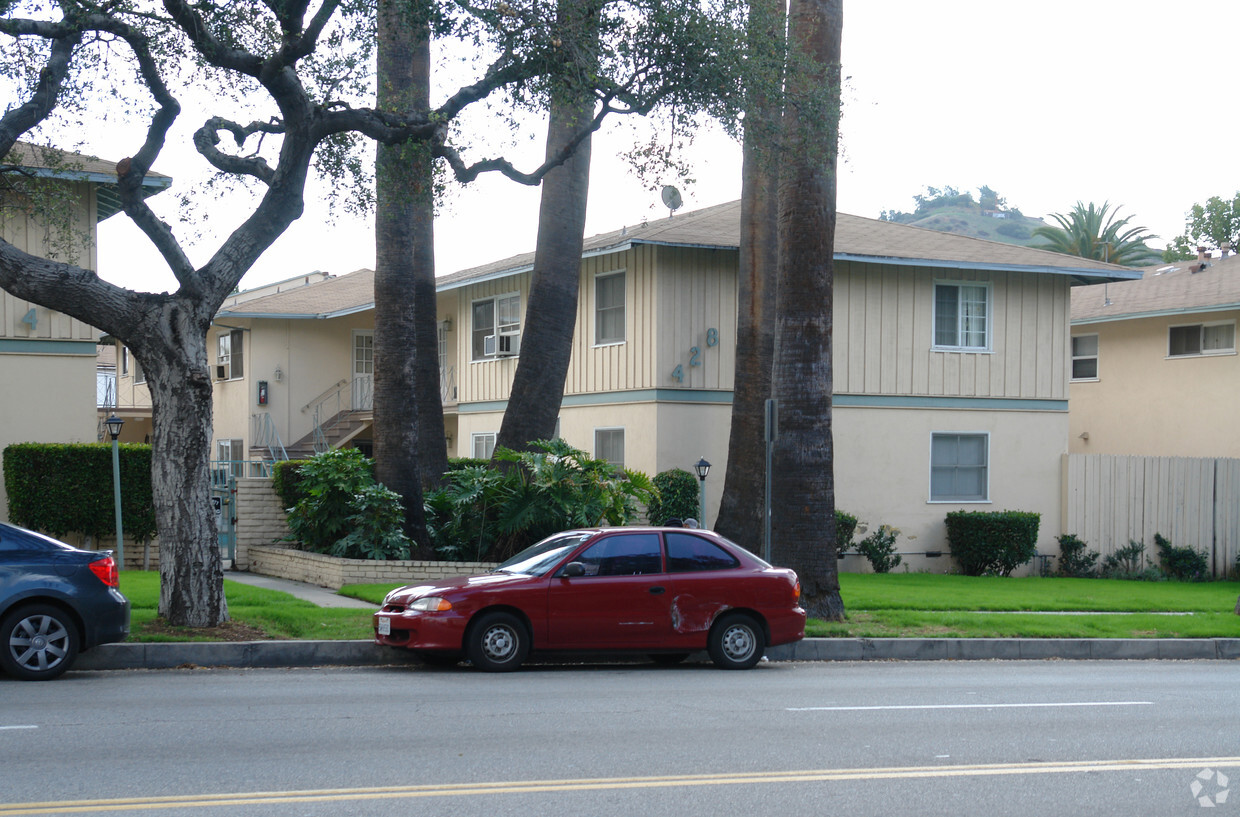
[[114, 424], [702, 468]]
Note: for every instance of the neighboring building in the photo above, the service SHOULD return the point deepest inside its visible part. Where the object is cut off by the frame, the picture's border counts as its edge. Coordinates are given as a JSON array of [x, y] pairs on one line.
[[46, 358], [951, 364], [1154, 364]]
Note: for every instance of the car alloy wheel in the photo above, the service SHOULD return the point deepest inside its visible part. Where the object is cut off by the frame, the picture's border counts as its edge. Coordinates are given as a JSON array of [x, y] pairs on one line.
[[736, 642], [38, 643], [498, 642]]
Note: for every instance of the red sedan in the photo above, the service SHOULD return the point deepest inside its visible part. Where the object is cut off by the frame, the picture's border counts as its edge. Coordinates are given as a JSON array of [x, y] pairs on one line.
[[662, 591]]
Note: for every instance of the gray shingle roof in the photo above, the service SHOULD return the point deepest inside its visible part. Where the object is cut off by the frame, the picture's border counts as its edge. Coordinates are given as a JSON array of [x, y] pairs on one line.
[[64, 164], [1165, 290]]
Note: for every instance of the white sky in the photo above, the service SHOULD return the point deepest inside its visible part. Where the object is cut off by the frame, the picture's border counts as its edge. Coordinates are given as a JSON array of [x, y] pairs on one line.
[[1048, 103]]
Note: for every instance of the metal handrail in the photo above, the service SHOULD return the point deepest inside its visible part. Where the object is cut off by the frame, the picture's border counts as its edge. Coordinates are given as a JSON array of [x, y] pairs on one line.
[[325, 394], [264, 434]]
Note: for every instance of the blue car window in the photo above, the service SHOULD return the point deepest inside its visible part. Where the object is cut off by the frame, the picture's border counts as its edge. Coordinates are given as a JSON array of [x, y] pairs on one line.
[[626, 554], [687, 553]]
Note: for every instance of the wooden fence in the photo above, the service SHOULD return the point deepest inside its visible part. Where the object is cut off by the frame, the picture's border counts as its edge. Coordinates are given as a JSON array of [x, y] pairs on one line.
[[1110, 501]]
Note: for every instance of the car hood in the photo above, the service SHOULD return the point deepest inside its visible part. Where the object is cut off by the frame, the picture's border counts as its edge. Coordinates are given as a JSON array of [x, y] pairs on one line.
[[443, 587]]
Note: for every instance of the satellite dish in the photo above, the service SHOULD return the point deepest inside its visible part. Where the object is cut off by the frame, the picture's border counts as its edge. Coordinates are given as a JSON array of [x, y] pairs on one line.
[[671, 198]]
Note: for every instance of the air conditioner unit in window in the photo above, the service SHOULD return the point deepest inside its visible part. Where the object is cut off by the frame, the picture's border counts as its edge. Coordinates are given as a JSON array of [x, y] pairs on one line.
[[221, 371], [508, 344]]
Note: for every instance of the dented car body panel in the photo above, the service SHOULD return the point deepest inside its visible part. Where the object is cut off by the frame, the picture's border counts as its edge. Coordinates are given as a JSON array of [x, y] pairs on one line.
[[625, 589]]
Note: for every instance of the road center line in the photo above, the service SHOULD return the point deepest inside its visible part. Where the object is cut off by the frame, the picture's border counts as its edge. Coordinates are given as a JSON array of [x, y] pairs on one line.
[[965, 706]]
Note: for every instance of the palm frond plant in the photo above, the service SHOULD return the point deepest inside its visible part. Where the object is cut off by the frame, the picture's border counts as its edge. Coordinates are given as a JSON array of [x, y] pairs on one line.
[[1096, 232]]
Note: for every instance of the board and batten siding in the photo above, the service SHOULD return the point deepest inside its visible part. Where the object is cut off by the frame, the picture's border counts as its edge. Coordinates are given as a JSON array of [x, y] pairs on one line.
[[488, 379], [884, 335], [697, 292], [626, 365]]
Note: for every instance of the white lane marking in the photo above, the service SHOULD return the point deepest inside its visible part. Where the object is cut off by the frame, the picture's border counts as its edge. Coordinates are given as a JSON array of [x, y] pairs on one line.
[[24, 726], [965, 706]]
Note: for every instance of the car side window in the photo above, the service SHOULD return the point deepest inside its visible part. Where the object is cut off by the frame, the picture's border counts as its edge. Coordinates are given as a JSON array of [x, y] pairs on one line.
[[687, 553], [627, 554]]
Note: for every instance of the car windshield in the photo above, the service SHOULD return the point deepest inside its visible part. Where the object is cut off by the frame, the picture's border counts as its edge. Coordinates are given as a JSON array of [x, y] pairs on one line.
[[537, 560]]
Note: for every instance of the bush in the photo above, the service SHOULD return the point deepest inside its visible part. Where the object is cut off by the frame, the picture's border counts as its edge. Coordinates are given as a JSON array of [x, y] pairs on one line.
[[992, 543], [286, 480], [1128, 562], [1186, 564], [677, 498], [845, 527], [344, 512], [879, 548], [1074, 559], [482, 513]]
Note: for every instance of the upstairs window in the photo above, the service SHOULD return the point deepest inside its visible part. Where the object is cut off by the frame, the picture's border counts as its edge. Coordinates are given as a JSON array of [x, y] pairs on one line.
[[228, 360], [609, 308], [1202, 339], [492, 317], [962, 317], [1084, 357]]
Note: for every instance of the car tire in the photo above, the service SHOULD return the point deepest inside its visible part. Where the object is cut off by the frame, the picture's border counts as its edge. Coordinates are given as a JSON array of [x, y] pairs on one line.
[[736, 642], [38, 642], [497, 642], [668, 659]]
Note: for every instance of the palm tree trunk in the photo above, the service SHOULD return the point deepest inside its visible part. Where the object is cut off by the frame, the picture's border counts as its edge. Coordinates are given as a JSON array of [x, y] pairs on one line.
[[803, 483]]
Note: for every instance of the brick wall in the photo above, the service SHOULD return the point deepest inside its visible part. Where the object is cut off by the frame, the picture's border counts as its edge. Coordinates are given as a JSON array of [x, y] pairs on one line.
[[333, 572], [260, 518]]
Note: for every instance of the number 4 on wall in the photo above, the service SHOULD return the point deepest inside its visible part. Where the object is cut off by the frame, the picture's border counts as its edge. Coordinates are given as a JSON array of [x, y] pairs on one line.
[[31, 319]]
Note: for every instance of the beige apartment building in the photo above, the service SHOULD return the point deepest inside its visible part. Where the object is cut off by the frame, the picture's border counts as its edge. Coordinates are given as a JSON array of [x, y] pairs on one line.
[[951, 357], [1154, 364], [47, 359]]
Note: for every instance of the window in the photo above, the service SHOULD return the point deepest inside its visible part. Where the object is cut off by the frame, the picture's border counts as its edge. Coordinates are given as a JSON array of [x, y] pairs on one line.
[[1085, 357], [958, 467], [687, 553], [124, 360], [609, 308], [962, 316], [1202, 339], [483, 444], [232, 456], [229, 356], [136, 367], [492, 317], [609, 445], [627, 554]]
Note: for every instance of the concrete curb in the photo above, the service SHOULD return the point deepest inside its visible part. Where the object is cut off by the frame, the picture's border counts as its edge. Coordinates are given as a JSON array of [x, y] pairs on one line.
[[275, 654]]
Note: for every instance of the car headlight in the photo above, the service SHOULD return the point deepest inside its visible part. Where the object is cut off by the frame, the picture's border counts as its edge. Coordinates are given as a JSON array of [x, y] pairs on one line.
[[430, 604]]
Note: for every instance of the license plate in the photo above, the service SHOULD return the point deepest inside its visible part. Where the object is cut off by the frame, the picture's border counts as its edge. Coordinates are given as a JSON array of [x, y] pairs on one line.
[[385, 626]]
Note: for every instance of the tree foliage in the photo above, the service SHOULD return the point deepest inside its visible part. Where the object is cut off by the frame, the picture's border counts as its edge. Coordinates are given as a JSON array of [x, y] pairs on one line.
[[935, 198], [1212, 225], [1095, 232]]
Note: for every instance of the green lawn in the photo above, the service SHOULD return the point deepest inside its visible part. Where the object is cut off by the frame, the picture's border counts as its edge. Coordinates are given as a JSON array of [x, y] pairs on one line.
[[891, 605]]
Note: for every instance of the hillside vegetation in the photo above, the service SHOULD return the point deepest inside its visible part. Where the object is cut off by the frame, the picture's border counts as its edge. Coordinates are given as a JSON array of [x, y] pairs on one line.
[[988, 216]]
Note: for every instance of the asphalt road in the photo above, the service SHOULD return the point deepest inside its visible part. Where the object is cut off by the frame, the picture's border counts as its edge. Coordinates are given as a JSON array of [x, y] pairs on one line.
[[864, 738]]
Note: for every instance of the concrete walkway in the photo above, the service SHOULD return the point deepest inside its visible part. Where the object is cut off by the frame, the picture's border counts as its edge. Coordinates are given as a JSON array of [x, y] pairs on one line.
[[320, 596]]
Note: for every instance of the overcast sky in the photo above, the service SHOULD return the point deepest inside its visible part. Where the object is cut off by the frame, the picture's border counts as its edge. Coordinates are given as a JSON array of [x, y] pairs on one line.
[[1048, 103]]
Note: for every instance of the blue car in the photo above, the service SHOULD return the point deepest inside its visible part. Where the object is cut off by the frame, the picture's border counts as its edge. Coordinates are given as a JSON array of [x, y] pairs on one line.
[[55, 601]]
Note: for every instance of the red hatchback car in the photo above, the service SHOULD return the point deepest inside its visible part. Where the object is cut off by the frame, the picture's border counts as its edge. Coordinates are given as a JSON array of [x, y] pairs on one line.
[[662, 591]]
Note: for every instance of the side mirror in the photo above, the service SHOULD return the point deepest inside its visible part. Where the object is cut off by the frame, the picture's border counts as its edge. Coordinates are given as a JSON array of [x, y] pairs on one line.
[[573, 569]]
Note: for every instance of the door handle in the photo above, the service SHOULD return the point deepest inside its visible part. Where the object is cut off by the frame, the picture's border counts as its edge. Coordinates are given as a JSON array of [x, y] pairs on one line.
[[656, 590]]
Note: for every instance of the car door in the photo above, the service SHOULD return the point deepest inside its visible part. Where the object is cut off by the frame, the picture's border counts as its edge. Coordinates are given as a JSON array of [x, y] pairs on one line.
[[623, 599]]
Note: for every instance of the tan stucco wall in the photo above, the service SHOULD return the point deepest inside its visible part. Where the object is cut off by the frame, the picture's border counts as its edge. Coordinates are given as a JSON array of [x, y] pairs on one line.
[[1146, 403]]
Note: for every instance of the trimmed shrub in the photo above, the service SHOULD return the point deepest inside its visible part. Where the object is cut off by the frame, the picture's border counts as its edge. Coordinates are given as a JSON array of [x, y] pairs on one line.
[[879, 549], [992, 543], [286, 480], [344, 512], [677, 498], [1127, 562], [1074, 560], [845, 527], [1186, 564]]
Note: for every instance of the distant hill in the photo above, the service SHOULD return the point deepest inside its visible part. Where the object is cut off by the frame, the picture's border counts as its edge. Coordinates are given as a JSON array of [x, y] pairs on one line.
[[1013, 228]]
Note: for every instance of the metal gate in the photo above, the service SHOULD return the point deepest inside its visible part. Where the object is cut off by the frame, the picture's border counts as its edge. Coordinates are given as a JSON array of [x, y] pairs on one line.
[[224, 500]]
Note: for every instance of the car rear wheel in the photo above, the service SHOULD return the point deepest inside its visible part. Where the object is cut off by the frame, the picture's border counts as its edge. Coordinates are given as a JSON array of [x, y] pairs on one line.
[[498, 642], [736, 642], [37, 643]]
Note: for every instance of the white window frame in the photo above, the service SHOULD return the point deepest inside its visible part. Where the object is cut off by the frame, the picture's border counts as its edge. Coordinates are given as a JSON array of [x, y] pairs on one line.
[[226, 358], [1201, 339], [487, 439], [475, 352], [960, 500], [960, 331], [599, 453], [1083, 357], [621, 308]]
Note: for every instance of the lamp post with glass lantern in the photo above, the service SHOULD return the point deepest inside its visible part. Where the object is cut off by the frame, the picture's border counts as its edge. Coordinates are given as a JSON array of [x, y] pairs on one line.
[[703, 468], [114, 424]]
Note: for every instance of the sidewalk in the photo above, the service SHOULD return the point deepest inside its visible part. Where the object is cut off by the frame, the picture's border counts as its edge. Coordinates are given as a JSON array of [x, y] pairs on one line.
[[284, 654]]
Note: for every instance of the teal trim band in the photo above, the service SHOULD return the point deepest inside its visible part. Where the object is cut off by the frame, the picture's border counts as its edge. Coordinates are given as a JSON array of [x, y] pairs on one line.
[[86, 348], [966, 403]]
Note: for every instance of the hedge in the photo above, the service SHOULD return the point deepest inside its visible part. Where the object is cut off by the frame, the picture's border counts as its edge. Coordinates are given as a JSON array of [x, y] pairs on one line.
[[992, 542], [63, 488]]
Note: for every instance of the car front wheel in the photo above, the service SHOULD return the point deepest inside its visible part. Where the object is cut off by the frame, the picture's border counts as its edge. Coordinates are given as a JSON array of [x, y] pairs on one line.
[[37, 643], [498, 642], [736, 642]]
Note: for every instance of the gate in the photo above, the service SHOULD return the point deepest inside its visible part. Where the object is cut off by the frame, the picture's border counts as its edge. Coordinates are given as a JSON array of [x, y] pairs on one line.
[[224, 501]]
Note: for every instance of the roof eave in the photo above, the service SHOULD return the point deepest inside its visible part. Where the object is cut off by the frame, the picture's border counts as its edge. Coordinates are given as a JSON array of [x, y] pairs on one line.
[[1157, 313]]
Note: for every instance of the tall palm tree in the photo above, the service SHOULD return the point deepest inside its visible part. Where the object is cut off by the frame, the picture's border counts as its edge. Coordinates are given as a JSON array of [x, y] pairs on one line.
[[1087, 231]]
